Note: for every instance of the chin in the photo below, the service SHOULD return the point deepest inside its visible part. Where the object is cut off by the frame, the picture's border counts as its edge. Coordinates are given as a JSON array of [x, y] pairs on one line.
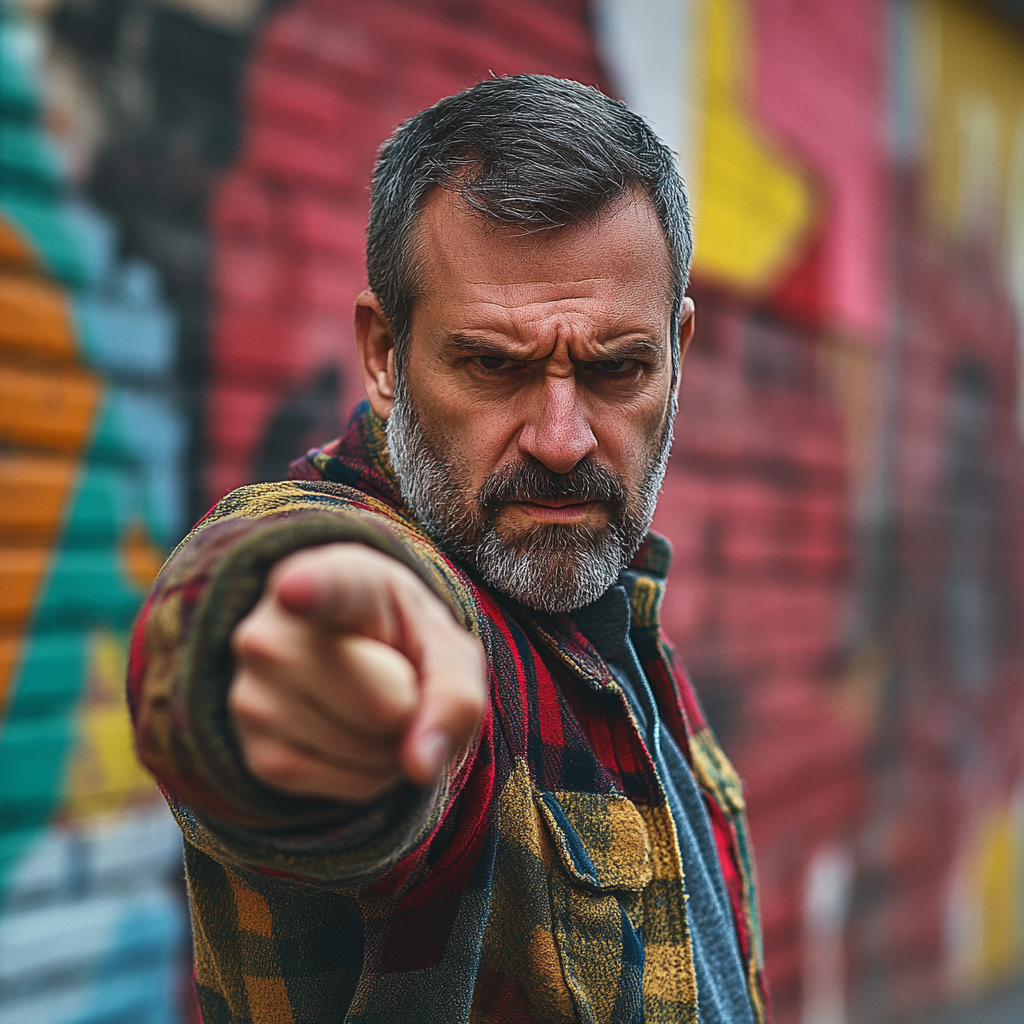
[[552, 568]]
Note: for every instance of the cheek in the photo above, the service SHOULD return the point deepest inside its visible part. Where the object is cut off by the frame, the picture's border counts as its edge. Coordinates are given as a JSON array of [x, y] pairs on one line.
[[475, 440], [629, 439]]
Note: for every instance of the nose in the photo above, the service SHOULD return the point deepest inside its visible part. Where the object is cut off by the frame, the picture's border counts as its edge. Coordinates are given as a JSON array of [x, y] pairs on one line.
[[558, 431]]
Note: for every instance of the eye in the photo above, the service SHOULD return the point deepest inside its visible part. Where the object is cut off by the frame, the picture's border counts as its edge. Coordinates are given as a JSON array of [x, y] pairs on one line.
[[616, 367], [495, 363]]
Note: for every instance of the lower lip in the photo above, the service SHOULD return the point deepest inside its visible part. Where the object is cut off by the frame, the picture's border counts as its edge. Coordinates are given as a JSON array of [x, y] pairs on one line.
[[562, 514]]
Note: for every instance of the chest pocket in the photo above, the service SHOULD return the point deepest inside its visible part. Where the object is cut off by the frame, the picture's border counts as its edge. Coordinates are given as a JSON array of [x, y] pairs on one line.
[[603, 864]]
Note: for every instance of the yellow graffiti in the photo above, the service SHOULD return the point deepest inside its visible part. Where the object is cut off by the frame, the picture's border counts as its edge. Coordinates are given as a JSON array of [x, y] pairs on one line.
[[975, 140], [977, 106], [998, 883], [104, 774], [988, 900], [752, 209]]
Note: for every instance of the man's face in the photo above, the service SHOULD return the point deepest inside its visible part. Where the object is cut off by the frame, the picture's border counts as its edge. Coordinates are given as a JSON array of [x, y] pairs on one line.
[[532, 419]]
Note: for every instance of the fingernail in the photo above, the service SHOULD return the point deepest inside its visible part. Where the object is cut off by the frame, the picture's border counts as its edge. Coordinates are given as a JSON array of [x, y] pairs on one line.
[[435, 750]]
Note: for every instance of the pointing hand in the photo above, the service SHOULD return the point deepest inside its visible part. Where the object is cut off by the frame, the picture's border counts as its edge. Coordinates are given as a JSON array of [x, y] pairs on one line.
[[351, 674]]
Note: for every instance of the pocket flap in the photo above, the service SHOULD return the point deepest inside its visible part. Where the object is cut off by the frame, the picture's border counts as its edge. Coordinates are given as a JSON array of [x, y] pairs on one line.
[[601, 838]]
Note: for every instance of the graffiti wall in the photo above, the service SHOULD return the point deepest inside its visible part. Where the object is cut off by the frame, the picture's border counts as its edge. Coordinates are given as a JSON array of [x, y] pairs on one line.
[[963, 495], [844, 491], [92, 922], [183, 193]]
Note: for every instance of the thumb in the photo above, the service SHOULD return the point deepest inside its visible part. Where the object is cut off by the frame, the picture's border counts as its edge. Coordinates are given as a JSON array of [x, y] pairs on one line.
[[453, 680]]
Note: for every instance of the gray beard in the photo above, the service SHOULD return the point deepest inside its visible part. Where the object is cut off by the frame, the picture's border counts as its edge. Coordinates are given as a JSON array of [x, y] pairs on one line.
[[552, 568]]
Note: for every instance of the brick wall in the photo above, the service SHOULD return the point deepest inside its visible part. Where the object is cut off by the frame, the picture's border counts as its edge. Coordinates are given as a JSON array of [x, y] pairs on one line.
[[324, 87], [756, 503]]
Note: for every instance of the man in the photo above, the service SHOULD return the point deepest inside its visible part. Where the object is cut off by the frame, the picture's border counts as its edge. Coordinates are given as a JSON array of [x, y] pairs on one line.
[[432, 758]]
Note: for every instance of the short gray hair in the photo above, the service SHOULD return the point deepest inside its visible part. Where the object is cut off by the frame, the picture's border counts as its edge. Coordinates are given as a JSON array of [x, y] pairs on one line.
[[528, 150]]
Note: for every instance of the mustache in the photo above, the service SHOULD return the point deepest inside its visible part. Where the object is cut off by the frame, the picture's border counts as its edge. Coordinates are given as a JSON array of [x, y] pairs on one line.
[[532, 481]]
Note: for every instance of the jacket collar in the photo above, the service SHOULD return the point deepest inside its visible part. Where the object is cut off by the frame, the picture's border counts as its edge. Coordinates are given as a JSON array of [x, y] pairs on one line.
[[359, 459]]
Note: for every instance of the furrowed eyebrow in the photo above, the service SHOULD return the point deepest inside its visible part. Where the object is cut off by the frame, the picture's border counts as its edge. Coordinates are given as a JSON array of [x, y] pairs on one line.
[[468, 345], [633, 348]]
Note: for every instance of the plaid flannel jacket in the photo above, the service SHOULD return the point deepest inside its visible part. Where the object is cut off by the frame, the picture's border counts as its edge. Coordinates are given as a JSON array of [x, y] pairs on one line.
[[540, 880]]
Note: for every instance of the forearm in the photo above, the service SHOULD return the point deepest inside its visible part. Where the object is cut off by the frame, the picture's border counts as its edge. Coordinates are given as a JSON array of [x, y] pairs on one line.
[[182, 664]]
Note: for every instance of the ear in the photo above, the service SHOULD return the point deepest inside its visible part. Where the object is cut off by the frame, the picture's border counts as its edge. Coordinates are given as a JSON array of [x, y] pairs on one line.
[[375, 342], [686, 325]]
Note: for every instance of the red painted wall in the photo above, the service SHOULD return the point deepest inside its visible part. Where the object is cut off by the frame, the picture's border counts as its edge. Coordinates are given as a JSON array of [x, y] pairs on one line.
[[756, 502], [326, 84], [821, 88]]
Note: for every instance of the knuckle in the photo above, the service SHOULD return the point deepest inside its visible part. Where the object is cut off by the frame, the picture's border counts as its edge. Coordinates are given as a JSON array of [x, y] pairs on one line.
[[273, 763], [439, 611], [243, 634], [385, 711], [247, 701], [251, 640], [354, 558]]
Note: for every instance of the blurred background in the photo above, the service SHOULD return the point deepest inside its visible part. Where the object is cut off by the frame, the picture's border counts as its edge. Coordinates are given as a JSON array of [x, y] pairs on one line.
[[183, 194]]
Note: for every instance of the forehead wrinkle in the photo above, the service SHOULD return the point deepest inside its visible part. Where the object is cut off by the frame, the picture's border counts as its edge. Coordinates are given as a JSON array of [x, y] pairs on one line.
[[528, 319], [542, 334], [561, 283], [601, 314], [511, 304], [509, 308]]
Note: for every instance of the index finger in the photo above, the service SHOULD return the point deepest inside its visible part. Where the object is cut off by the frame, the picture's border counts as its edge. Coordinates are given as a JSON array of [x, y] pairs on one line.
[[346, 587]]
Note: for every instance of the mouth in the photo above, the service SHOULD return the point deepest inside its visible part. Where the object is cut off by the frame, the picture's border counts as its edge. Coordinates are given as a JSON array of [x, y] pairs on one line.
[[556, 510]]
